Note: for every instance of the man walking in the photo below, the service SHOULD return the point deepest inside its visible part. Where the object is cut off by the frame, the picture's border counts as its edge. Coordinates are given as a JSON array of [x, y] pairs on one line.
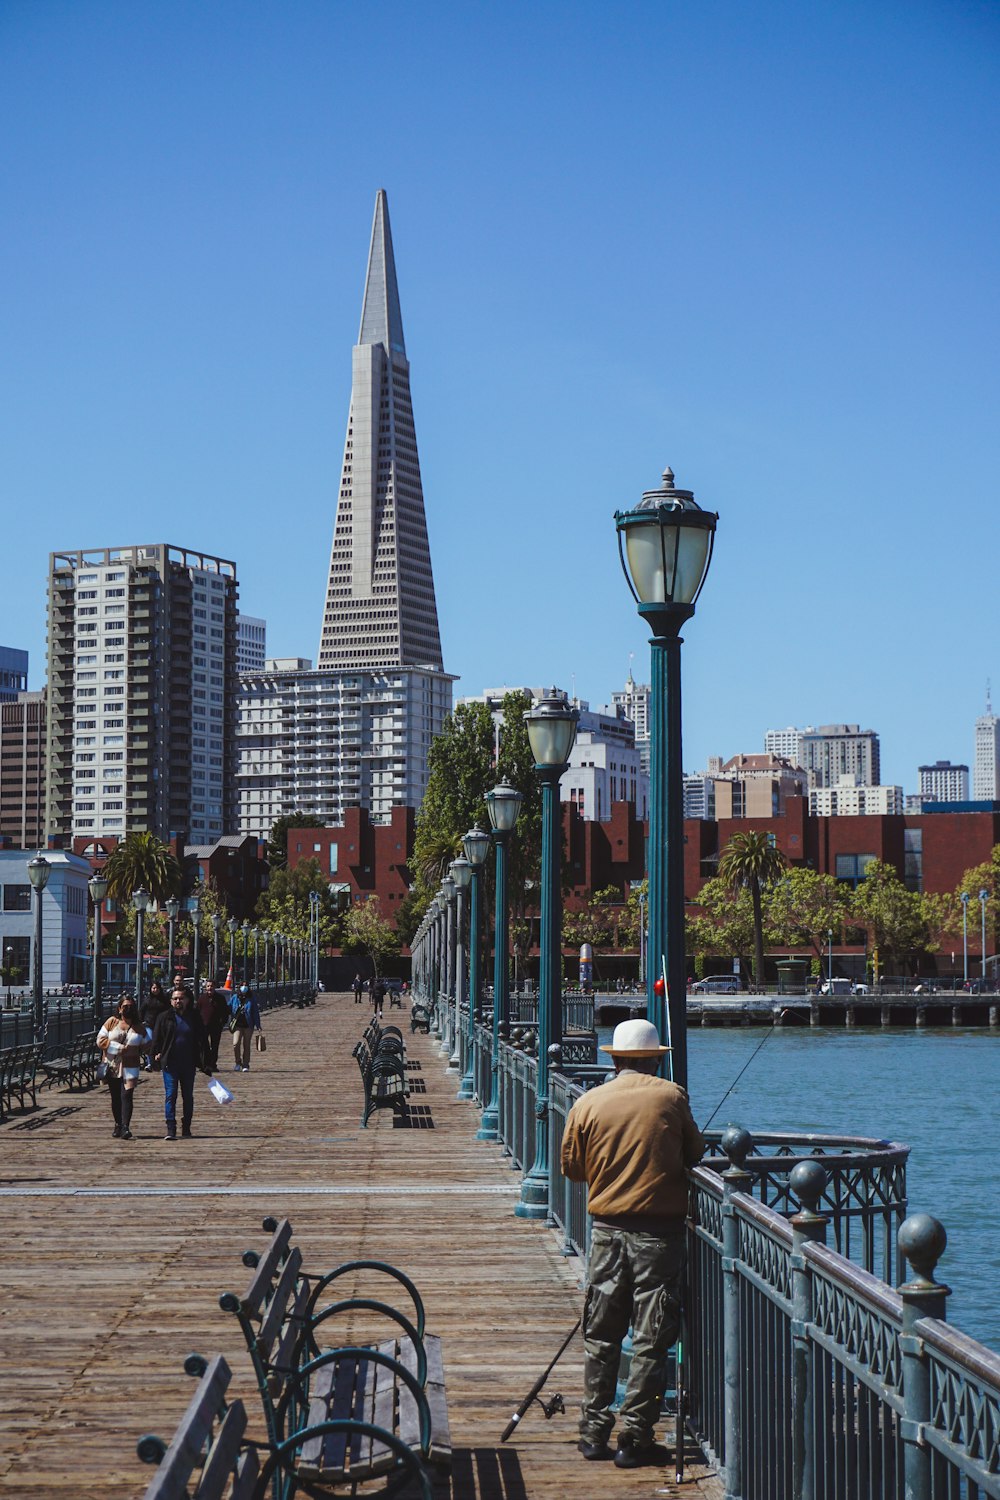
[[632, 1141], [359, 985]]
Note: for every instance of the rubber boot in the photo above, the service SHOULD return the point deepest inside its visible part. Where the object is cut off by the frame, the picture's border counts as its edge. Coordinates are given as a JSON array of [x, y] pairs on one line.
[[128, 1098]]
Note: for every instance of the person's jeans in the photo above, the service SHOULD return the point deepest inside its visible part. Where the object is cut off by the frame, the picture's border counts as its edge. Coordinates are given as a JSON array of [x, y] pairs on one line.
[[632, 1279], [171, 1083]]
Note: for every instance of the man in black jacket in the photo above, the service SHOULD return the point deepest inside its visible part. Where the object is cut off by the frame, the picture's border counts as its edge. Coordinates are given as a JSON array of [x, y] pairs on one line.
[[181, 1049]]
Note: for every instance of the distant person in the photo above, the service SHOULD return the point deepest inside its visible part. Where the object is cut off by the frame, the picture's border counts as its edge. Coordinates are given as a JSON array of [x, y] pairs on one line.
[[359, 987], [632, 1141], [378, 997], [244, 1018], [180, 1050], [123, 1039], [213, 1007], [156, 1002]]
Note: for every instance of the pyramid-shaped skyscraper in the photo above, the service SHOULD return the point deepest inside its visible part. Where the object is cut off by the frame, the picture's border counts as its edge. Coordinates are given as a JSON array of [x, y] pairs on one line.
[[380, 606]]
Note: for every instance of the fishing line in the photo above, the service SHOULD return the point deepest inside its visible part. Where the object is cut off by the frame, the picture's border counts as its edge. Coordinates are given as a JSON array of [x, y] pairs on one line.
[[767, 1036]]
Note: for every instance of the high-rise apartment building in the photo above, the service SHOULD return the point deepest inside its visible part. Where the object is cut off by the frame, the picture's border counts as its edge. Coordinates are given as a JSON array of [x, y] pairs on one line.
[[829, 752], [633, 703], [13, 673], [986, 766], [943, 782], [381, 610], [251, 643], [22, 770], [851, 798], [786, 743], [142, 693]]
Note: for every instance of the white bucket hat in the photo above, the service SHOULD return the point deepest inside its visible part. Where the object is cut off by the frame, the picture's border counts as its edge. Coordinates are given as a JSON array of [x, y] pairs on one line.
[[635, 1039]]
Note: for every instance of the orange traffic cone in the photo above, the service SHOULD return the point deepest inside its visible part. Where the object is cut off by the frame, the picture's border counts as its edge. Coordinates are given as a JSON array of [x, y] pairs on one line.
[[229, 981]]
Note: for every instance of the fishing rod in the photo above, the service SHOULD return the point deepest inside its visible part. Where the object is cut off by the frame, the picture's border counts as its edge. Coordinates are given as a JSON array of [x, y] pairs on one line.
[[766, 1038], [679, 1369], [556, 1402]]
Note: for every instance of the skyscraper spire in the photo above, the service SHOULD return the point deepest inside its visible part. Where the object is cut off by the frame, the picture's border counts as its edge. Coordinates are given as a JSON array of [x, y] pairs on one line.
[[380, 605]]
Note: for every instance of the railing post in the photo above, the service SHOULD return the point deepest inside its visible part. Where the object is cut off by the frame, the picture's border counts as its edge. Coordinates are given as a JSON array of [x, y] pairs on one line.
[[922, 1240], [737, 1144], [808, 1182]]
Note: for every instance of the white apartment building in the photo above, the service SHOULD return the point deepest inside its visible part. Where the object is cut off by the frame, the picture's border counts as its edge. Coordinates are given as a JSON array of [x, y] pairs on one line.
[[852, 798], [786, 743], [943, 782], [320, 742], [986, 767], [633, 703], [251, 643], [828, 752]]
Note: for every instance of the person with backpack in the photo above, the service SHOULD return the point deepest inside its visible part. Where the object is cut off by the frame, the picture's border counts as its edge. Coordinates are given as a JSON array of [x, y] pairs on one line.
[[244, 1017]]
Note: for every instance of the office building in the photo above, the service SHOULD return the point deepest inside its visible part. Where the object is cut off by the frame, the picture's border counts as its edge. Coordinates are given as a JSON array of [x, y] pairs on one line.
[[943, 782], [251, 643], [852, 798], [13, 673], [381, 611], [142, 693], [784, 742], [986, 766], [633, 703], [828, 752], [22, 771]]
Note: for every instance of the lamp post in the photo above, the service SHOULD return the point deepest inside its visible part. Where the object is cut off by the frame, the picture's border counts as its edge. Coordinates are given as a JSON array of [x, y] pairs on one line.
[[98, 887], [266, 935], [829, 959], [983, 898], [965, 937], [172, 908], [503, 805], [140, 904], [10, 962], [39, 871], [314, 905], [256, 958], [232, 926], [194, 908], [665, 544], [460, 873], [551, 728], [476, 844], [246, 947]]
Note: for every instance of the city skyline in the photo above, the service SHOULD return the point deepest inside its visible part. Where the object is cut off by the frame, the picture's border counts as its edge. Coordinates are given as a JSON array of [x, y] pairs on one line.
[[764, 293]]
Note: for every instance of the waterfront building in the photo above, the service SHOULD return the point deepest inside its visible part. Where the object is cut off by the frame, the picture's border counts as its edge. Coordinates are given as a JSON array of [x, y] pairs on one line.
[[851, 798], [986, 766], [64, 915], [943, 782], [142, 693], [13, 673], [251, 643], [22, 771], [633, 703]]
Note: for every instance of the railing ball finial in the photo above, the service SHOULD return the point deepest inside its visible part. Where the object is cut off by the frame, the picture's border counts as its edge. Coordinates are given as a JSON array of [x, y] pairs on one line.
[[808, 1182], [555, 1055], [922, 1239], [737, 1143]]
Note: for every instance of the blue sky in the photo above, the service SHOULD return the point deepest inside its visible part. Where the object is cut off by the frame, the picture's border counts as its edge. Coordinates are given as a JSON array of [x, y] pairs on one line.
[[756, 241]]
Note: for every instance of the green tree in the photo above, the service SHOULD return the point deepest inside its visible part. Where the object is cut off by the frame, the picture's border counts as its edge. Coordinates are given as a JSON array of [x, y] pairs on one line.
[[724, 926], [365, 930], [141, 859], [751, 862], [892, 916], [459, 774], [285, 907], [802, 907], [277, 844]]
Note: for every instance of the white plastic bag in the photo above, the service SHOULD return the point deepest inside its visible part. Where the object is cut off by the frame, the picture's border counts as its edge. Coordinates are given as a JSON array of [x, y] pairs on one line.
[[219, 1091]]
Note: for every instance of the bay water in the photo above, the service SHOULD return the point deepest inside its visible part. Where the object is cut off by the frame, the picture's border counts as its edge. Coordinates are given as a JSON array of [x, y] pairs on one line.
[[935, 1091]]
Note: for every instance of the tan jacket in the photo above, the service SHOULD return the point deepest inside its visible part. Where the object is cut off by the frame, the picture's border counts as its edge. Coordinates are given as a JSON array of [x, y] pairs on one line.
[[631, 1141]]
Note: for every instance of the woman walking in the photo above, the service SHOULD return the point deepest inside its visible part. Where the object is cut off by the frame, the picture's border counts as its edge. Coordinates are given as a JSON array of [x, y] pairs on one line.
[[244, 1018], [123, 1039], [180, 1048]]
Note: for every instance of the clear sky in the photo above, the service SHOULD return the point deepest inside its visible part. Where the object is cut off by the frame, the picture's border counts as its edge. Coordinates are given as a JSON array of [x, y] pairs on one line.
[[756, 241]]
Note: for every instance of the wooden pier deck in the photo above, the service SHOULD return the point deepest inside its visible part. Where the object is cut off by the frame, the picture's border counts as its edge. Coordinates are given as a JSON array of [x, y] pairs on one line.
[[115, 1253]]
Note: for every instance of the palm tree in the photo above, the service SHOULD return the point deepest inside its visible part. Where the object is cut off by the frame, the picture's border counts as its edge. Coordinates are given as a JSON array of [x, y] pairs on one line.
[[141, 859], [750, 860]]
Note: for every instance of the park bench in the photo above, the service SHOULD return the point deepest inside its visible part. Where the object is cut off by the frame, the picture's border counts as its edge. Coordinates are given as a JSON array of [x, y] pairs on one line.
[[18, 1077], [383, 1073], [344, 1414], [211, 1439], [420, 1016], [78, 1067]]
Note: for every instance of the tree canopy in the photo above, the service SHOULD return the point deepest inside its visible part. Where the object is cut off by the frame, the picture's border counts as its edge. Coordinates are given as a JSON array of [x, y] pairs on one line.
[[277, 843], [365, 930], [751, 861], [284, 906], [142, 860]]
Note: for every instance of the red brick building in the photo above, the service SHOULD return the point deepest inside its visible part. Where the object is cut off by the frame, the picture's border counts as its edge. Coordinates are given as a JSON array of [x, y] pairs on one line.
[[365, 858]]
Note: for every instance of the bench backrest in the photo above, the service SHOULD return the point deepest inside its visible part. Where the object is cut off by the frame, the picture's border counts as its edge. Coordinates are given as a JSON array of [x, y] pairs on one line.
[[210, 1437]]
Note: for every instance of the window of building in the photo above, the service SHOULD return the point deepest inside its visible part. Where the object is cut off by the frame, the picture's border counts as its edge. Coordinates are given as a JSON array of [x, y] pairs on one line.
[[851, 869], [913, 859], [17, 898]]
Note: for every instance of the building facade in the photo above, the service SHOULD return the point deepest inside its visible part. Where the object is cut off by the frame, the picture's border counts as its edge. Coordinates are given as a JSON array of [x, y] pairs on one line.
[[64, 915], [986, 766], [13, 673], [22, 771], [142, 693], [943, 782], [852, 799], [633, 703], [829, 752], [251, 643]]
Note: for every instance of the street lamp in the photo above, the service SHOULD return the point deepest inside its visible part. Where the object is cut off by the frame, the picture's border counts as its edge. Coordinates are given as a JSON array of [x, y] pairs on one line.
[[246, 946], [233, 926], [98, 887], [551, 728], [10, 962], [256, 957], [216, 929], [983, 898], [460, 875], [172, 908], [451, 964], [665, 544], [140, 904], [829, 961], [476, 844], [194, 911], [965, 937], [503, 805], [39, 871], [266, 935]]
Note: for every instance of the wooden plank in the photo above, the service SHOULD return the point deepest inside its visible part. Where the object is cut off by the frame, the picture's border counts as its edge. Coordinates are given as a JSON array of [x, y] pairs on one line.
[[223, 1455], [278, 1305], [384, 1411], [266, 1269], [184, 1453], [439, 1451]]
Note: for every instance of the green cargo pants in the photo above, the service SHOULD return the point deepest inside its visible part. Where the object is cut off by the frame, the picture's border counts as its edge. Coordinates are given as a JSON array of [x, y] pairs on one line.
[[632, 1279]]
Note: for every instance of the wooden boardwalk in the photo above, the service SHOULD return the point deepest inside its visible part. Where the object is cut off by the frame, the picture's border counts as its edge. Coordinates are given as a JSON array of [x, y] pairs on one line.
[[115, 1253]]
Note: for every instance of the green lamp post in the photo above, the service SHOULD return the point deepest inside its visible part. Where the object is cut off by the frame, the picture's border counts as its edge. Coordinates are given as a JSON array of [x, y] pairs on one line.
[[98, 887], [665, 545], [476, 844], [460, 872], [39, 871], [140, 905], [172, 909], [503, 804]]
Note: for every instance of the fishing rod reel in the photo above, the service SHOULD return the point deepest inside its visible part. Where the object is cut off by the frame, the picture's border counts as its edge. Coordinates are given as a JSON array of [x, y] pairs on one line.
[[554, 1404]]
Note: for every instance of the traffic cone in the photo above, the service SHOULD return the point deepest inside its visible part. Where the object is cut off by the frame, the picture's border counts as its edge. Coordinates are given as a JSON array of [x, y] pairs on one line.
[[229, 981]]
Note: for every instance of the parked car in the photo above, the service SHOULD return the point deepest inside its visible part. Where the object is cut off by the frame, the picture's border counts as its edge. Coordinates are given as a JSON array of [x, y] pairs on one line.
[[717, 984], [835, 987]]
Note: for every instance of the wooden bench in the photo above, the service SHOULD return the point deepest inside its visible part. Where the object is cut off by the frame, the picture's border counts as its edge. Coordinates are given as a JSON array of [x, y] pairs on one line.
[[211, 1439], [383, 1073], [343, 1414], [19, 1077], [78, 1068]]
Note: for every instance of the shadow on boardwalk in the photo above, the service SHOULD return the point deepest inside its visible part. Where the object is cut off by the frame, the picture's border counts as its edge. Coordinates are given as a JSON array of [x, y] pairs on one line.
[[115, 1254]]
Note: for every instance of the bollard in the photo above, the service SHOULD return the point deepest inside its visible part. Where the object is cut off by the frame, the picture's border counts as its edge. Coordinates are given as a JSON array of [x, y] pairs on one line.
[[922, 1240], [956, 1015], [808, 1181], [994, 1015], [921, 1015], [737, 1144], [886, 1016]]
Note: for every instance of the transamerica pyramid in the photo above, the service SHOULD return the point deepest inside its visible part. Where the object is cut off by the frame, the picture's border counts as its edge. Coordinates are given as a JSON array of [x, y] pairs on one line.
[[380, 606]]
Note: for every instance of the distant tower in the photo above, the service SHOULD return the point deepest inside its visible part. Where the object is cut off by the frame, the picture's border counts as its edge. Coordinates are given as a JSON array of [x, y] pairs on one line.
[[986, 766], [380, 606]]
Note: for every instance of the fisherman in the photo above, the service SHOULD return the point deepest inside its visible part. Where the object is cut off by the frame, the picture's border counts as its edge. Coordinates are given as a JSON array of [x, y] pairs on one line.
[[632, 1140]]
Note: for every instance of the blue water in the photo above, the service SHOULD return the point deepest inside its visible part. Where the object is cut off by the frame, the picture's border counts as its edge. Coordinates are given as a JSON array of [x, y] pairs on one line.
[[931, 1090]]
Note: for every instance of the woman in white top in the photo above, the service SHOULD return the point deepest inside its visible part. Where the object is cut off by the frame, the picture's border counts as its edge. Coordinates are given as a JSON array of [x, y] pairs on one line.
[[123, 1039]]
